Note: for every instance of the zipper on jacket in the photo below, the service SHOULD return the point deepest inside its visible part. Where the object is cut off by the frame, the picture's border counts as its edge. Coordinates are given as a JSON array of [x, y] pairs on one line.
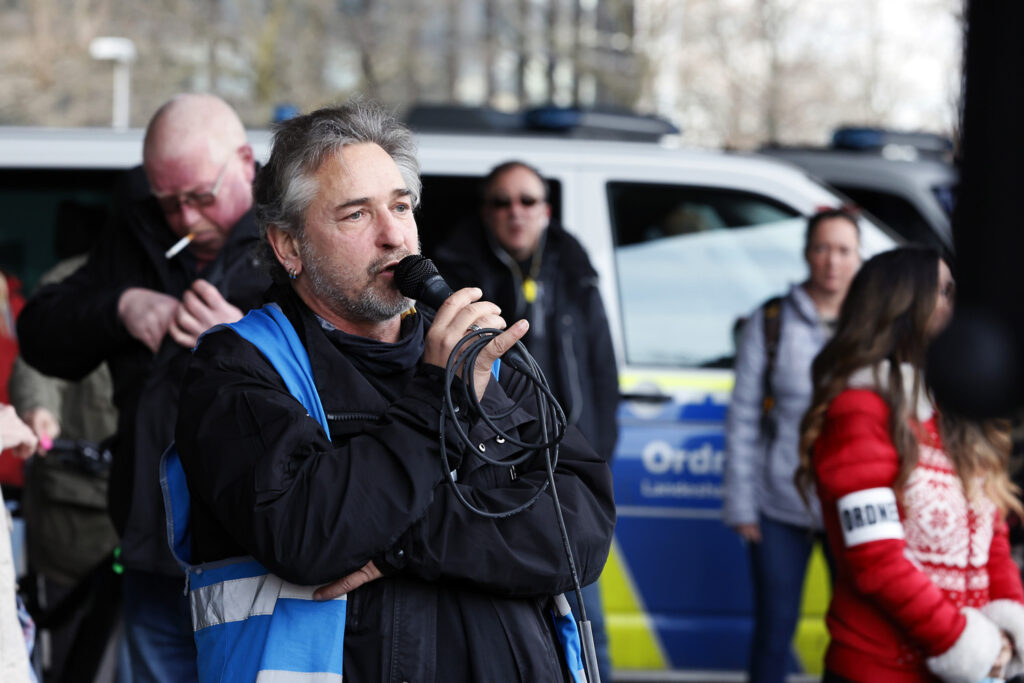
[[349, 417]]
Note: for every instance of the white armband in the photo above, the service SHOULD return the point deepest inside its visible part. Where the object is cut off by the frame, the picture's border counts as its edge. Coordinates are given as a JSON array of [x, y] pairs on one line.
[[869, 515]]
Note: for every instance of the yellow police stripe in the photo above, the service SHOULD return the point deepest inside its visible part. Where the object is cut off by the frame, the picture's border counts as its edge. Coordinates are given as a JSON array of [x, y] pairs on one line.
[[715, 381], [633, 642], [811, 638]]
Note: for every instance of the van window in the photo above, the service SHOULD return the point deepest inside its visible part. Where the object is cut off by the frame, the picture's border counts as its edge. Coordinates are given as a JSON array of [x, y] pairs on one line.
[[692, 261], [49, 215]]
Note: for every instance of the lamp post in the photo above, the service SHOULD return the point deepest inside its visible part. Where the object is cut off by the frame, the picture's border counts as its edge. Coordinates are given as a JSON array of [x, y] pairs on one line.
[[120, 51]]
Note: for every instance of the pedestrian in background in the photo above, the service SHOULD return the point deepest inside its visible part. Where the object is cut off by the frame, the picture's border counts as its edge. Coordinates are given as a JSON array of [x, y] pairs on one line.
[[772, 391], [914, 499]]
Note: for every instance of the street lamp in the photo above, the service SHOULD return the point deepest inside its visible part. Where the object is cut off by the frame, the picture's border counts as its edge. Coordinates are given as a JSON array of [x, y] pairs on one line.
[[120, 51]]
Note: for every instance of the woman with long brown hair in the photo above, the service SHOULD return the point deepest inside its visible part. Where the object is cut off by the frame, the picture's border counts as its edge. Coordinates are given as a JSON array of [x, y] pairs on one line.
[[913, 499]]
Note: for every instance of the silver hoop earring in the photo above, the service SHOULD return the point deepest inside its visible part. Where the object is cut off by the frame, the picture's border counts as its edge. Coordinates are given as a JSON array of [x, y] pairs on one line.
[[292, 273]]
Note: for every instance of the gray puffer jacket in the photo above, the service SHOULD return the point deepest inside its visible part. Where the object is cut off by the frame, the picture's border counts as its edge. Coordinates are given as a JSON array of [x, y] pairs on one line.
[[759, 471]]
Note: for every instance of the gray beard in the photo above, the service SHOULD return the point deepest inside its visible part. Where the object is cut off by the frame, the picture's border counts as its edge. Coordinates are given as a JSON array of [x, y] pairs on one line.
[[367, 306]]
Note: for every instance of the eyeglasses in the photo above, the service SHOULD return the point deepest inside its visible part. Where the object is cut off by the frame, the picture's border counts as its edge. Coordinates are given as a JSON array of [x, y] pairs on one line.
[[172, 203], [506, 202]]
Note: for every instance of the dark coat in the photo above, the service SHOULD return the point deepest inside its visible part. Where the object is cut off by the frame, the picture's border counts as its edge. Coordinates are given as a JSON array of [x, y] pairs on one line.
[[577, 355], [464, 598], [71, 327]]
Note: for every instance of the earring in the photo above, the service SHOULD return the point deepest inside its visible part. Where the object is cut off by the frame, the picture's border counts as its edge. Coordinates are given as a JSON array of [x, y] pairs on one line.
[[292, 273]]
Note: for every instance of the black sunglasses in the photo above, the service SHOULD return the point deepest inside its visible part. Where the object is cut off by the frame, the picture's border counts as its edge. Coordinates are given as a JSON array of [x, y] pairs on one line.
[[506, 202]]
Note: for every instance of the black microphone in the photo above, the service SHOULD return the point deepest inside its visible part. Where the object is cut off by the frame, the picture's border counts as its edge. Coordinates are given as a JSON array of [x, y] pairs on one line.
[[417, 278]]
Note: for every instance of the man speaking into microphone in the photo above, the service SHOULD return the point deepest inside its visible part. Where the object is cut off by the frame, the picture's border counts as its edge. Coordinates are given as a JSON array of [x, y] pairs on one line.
[[353, 497]]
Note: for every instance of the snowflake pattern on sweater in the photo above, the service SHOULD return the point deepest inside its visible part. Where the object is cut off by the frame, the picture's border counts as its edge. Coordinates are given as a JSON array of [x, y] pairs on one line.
[[947, 535]]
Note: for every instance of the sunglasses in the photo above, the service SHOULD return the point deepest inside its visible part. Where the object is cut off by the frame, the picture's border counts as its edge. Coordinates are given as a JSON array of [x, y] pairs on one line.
[[506, 202], [171, 203]]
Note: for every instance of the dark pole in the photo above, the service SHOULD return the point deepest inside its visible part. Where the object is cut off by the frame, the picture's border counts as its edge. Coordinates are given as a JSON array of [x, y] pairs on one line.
[[975, 366]]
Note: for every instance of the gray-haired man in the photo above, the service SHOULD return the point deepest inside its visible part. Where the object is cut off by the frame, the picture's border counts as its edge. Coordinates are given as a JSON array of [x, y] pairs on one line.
[[435, 592]]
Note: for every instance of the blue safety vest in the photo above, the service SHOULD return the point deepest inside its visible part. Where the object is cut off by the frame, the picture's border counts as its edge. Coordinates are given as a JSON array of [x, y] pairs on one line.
[[249, 624]]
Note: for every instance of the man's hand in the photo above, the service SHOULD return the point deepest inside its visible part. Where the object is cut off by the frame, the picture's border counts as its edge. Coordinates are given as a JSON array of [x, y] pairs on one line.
[[44, 425], [751, 533], [15, 434], [368, 573], [454, 320], [147, 314], [201, 308]]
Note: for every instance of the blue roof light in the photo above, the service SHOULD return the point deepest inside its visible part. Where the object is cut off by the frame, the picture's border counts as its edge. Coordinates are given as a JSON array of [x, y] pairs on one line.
[[858, 138], [868, 138], [553, 118], [595, 123]]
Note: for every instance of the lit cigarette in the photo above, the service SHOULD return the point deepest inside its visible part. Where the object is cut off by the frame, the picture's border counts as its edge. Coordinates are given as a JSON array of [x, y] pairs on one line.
[[179, 245]]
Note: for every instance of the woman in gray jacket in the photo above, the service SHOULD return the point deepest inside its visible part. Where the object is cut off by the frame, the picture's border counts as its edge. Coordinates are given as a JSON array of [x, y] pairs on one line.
[[772, 391]]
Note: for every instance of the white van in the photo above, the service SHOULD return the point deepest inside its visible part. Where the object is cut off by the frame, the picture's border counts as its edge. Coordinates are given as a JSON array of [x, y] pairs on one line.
[[685, 242]]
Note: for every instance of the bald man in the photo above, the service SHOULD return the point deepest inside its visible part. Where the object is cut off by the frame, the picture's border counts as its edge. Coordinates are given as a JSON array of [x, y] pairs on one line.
[[175, 261]]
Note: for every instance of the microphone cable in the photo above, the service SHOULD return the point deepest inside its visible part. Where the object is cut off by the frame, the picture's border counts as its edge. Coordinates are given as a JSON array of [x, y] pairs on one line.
[[552, 425], [417, 278]]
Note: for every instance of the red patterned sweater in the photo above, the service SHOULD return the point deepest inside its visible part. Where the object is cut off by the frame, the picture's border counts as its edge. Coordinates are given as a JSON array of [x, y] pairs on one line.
[[923, 585]]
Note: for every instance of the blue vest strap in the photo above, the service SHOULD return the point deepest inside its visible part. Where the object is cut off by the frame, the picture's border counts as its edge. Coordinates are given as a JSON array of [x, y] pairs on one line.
[[569, 636], [269, 330]]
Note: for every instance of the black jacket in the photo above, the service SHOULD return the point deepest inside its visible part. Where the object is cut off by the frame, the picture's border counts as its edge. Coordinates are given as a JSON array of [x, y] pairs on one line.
[[569, 337], [464, 598], [69, 328]]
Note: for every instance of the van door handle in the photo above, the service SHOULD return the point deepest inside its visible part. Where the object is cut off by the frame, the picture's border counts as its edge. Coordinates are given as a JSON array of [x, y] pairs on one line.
[[646, 398]]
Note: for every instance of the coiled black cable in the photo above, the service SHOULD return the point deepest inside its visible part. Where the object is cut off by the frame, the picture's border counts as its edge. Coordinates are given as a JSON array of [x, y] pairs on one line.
[[551, 420], [417, 278]]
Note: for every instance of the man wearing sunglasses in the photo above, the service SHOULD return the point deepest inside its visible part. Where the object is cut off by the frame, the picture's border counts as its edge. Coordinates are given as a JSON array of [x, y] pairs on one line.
[[528, 265], [139, 304]]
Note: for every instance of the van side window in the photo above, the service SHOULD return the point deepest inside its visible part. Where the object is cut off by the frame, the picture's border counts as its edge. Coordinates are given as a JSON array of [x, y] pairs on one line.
[[691, 261], [50, 214]]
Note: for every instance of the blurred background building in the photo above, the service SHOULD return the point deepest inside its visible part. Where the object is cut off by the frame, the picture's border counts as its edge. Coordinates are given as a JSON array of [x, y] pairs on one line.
[[735, 73]]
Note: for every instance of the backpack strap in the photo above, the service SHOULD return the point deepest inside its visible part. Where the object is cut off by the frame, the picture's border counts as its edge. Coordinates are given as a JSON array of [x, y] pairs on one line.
[[771, 311]]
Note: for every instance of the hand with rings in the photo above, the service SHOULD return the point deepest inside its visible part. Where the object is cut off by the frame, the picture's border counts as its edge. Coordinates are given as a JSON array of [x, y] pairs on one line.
[[464, 311]]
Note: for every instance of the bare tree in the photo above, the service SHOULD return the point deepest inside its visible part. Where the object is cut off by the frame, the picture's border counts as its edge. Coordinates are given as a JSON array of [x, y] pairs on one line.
[[734, 72]]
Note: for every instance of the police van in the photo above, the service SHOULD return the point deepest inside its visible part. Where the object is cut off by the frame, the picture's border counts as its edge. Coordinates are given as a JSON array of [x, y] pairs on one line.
[[907, 180], [685, 242]]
